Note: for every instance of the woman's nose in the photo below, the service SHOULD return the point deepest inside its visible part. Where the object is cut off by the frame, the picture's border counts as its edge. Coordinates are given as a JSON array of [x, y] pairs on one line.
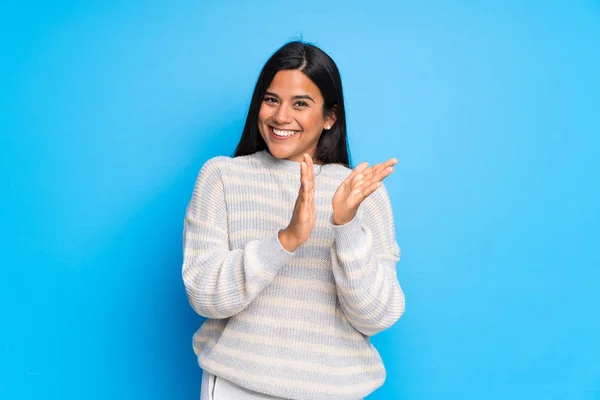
[[282, 116]]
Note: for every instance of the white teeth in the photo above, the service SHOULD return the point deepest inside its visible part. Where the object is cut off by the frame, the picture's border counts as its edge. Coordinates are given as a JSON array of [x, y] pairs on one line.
[[279, 132]]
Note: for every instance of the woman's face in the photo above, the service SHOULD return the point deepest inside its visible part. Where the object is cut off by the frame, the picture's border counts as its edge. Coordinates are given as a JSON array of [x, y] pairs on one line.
[[291, 117]]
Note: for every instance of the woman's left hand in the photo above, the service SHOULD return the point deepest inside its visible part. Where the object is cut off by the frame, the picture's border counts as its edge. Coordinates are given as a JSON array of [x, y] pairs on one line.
[[363, 181]]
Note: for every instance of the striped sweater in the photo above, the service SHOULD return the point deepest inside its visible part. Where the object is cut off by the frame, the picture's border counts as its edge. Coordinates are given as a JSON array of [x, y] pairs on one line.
[[291, 325]]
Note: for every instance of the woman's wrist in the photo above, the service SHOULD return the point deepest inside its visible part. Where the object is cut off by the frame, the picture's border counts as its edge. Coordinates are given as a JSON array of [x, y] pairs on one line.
[[339, 220], [286, 240]]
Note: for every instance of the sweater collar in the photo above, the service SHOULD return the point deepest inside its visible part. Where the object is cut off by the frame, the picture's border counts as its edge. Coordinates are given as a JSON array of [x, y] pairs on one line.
[[286, 165]]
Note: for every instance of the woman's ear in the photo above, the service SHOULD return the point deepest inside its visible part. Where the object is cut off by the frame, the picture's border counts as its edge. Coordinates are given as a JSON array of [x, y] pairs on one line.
[[331, 118]]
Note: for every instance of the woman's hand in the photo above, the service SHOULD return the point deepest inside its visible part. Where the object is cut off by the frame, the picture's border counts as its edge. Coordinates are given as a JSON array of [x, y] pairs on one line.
[[363, 181], [304, 216]]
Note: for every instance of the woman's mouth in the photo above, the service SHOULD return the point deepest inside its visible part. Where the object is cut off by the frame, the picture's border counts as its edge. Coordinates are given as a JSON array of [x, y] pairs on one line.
[[282, 134]]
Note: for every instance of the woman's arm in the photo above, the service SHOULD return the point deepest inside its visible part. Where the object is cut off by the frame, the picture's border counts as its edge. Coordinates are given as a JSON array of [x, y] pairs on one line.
[[364, 258], [220, 282]]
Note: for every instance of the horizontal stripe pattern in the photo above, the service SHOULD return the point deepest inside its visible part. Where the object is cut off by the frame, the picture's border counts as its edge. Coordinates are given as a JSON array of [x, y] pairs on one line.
[[292, 386], [298, 349], [292, 325]]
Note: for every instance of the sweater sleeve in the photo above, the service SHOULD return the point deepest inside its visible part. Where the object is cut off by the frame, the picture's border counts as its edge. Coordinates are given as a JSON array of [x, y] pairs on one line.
[[364, 258], [221, 282]]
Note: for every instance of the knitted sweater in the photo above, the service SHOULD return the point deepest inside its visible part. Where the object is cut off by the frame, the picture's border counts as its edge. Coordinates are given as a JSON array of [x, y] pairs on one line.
[[292, 325]]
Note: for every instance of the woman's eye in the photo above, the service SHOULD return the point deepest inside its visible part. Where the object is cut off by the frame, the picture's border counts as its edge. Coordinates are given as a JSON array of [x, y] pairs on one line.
[[270, 100], [301, 104]]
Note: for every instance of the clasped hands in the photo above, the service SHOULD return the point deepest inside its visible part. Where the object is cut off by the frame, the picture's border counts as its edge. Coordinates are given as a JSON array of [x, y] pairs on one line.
[[361, 182]]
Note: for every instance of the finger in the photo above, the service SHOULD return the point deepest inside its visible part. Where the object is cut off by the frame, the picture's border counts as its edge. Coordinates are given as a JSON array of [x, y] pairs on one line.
[[390, 163], [305, 158], [370, 189], [356, 196], [360, 194], [380, 167], [312, 177], [309, 182], [306, 183], [311, 171], [303, 180], [380, 173], [385, 173], [372, 173], [368, 174], [357, 179], [370, 170], [375, 183], [359, 169], [366, 188], [385, 166], [376, 173], [360, 173]]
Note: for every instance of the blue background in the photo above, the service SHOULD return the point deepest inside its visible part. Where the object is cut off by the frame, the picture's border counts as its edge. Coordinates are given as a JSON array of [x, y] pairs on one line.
[[107, 113]]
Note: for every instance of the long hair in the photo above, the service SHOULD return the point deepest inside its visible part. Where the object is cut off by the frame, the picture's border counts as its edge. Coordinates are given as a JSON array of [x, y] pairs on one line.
[[319, 68]]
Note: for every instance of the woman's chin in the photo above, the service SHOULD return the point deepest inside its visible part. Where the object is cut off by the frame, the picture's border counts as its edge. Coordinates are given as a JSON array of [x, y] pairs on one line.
[[279, 152]]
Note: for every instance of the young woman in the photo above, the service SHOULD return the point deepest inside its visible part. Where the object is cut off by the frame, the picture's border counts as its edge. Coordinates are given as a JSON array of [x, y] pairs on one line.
[[289, 253]]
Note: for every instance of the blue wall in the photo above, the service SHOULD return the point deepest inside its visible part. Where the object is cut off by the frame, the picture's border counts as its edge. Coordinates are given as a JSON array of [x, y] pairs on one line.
[[107, 112]]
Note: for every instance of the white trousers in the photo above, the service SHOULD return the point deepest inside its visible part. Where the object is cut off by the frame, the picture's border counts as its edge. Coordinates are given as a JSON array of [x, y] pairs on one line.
[[216, 388]]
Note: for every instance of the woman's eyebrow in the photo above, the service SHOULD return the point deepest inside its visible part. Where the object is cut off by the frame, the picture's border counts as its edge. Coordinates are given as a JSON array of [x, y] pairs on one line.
[[304, 96], [300, 96]]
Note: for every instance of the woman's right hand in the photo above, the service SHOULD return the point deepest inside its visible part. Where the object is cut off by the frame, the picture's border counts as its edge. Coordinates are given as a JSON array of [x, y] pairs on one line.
[[304, 216]]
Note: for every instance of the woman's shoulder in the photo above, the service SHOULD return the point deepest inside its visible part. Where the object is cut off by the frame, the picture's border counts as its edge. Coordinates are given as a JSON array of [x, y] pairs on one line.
[[214, 165], [224, 165]]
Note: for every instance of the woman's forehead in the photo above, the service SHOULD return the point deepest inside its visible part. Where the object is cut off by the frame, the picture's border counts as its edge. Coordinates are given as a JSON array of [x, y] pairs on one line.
[[290, 83]]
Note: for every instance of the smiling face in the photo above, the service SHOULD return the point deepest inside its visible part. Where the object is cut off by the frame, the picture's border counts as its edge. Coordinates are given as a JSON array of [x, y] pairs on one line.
[[291, 118]]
